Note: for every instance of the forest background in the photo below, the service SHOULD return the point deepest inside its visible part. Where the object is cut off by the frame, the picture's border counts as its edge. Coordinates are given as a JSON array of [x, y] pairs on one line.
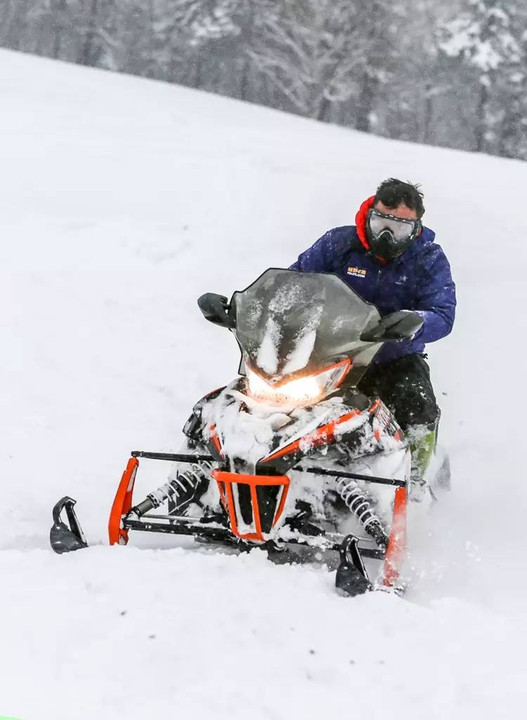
[[451, 73]]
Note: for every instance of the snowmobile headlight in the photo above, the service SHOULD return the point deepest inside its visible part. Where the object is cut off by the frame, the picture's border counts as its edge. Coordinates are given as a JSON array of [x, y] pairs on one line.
[[305, 390]]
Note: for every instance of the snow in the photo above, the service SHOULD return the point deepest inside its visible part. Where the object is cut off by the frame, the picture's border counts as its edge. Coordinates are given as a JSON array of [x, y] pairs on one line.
[[299, 356], [267, 357], [122, 201]]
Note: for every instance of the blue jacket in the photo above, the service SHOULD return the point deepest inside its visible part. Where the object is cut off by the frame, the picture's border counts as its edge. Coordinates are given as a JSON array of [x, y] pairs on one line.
[[418, 280]]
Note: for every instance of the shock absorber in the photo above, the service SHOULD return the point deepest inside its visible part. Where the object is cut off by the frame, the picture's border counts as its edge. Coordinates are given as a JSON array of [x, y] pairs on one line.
[[180, 489], [361, 505]]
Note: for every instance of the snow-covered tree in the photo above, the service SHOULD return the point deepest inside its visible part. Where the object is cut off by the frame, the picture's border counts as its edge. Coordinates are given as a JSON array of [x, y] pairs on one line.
[[482, 39], [452, 73], [193, 32], [410, 100], [311, 51], [382, 26]]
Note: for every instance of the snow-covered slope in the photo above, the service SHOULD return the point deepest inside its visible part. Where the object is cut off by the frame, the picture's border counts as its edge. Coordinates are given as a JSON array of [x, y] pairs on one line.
[[123, 200]]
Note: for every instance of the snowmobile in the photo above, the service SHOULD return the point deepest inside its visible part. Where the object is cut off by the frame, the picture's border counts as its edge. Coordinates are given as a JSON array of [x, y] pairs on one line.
[[290, 457]]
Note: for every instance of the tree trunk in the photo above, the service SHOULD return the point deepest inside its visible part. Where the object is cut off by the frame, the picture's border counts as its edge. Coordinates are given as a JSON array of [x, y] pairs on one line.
[[59, 25], [16, 26], [365, 104], [428, 112], [90, 51], [481, 117], [323, 110]]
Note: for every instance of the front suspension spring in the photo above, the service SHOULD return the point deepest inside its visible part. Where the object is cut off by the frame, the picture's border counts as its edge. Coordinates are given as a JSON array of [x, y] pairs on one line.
[[361, 505], [182, 487]]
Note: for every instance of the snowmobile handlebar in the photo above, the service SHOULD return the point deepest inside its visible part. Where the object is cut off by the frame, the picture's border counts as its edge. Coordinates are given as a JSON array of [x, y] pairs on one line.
[[216, 309], [400, 325]]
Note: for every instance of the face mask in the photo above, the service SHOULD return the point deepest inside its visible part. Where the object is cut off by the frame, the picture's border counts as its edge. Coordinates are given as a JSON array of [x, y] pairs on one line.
[[390, 236]]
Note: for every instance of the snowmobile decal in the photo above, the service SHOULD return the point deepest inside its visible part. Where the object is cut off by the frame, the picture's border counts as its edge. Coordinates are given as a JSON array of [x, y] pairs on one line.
[[324, 435], [384, 421], [215, 440]]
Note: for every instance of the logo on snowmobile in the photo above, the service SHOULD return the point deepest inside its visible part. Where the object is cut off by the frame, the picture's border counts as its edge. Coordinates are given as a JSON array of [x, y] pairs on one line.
[[357, 272]]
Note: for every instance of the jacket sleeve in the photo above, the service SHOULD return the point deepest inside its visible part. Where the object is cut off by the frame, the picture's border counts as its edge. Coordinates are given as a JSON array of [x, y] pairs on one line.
[[436, 297], [321, 256]]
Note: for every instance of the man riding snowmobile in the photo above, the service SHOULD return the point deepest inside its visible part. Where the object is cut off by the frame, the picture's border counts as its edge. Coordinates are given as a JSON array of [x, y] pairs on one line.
[[300, 454], [391, 260]]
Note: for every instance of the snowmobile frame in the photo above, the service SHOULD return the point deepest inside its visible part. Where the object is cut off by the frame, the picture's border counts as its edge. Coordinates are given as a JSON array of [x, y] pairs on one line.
[[351, 575]]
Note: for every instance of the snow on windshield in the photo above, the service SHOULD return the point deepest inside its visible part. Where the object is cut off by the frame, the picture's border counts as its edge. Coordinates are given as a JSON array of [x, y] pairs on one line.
[[289, 297], [288, 301], [268, 355], [299, 357], [305, 342]]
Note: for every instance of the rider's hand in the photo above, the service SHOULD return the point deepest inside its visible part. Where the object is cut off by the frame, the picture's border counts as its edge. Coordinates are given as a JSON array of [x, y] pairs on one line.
[[402, 325]]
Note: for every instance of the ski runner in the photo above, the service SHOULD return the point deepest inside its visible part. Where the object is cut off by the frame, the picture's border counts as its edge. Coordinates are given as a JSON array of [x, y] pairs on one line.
[[391, 260]]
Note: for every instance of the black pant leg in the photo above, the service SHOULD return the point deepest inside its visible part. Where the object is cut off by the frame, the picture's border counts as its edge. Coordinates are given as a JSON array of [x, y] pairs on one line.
[[404, 386]]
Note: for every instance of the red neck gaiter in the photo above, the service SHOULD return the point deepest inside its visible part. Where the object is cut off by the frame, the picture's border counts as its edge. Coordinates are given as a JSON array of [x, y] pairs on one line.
[[361, 218]]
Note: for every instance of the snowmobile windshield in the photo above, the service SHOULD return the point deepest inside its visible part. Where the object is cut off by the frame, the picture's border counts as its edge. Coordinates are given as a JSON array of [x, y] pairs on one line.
[[289, 324]]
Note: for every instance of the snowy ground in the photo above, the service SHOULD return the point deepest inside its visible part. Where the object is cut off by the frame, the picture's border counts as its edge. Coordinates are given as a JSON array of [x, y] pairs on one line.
[[123, 200]]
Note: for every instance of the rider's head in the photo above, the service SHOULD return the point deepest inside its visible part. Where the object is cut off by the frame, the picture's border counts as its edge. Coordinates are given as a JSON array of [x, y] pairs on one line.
[[398, 197], [391, 219]]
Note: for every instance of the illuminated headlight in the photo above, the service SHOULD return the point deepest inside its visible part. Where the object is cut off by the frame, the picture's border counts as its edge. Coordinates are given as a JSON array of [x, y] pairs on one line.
[[305, 390]]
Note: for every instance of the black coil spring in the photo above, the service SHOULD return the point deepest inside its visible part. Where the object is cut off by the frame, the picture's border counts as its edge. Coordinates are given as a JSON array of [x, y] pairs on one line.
[[361, 505]]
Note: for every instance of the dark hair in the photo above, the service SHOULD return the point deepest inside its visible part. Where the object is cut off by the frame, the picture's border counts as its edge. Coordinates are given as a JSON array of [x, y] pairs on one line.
[[393, 192]]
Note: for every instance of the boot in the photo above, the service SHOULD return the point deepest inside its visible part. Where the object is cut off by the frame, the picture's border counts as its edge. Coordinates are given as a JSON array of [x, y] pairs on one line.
[[422, 441]]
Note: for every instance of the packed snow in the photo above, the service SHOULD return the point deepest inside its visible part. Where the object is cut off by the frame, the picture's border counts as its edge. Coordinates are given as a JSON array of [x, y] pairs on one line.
[[123, 200]]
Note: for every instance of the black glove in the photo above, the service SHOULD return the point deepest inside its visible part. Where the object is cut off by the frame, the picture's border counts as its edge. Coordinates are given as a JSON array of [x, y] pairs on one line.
[[400, 325]]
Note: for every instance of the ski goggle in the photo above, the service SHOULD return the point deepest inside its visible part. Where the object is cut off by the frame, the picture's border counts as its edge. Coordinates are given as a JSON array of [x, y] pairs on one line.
[[401, 228]]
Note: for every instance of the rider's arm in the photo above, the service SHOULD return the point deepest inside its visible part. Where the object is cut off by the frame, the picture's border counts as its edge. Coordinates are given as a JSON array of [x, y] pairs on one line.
[[325, 253], [436, 297]]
